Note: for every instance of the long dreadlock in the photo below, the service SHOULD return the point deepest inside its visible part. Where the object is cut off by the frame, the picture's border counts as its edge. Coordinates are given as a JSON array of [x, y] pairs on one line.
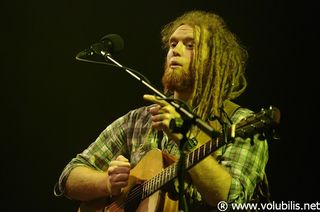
[[218, 63]]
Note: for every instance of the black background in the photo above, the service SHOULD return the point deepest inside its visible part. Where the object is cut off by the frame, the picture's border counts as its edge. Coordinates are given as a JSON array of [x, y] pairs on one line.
[[54, 106]]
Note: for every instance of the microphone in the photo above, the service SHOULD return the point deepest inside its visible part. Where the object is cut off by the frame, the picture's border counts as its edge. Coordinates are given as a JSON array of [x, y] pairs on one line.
[[111, 43]]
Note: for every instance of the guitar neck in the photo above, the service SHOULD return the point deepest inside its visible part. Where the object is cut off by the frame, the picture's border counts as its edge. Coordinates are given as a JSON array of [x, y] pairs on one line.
[[264, 122]]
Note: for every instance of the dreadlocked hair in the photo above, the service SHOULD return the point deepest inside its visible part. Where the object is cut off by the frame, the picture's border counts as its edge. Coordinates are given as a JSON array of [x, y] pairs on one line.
[[218, 63]]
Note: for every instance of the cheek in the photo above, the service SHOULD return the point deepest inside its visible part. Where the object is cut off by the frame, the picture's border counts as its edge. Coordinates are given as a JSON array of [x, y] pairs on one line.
[[190, 55], [188, 59]]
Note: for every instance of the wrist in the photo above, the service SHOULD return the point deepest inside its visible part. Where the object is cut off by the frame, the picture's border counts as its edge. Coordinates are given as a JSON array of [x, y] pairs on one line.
[[108, 187]]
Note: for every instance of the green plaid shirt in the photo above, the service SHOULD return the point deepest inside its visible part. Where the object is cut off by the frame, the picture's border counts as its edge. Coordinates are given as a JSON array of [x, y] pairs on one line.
[[132, 136]]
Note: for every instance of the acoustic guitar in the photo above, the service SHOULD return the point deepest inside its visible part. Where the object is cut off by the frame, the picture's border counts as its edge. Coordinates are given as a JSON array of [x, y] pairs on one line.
[[156, 169]]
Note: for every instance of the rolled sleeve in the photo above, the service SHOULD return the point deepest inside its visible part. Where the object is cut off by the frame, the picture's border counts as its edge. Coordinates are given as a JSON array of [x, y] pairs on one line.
[[110, 142], [246, 161]]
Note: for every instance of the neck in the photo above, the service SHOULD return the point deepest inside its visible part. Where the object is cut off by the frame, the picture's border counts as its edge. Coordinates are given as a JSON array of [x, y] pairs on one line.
[[184, 96]]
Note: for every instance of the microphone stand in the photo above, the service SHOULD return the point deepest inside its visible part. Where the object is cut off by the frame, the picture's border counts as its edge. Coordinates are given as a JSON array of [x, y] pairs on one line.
[[182, 206], [192, 119]]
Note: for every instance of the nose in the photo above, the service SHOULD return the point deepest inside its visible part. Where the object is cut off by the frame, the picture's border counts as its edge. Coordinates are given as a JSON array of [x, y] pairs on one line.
[[178, 49]]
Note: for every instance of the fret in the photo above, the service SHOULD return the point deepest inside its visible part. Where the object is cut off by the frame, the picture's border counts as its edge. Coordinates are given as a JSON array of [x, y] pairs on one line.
[[156, 181], [152, 184], [144, 193], [162, 178], [145, 189], [174, 171], [167, 174], [159, 183], [198, 151], [149, 186], [188, 157], [170, 173], [148, 191], [146, 186], [208, 148], [202, 152]]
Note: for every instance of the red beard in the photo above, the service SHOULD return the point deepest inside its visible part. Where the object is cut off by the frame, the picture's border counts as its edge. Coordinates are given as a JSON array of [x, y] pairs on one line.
[[177, 79]]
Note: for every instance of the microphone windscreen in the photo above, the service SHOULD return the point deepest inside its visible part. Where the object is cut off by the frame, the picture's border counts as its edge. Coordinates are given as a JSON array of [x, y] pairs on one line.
[[114, 42]]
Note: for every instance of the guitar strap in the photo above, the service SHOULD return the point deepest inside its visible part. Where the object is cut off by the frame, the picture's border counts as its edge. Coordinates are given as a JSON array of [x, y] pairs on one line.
[[230, 107]]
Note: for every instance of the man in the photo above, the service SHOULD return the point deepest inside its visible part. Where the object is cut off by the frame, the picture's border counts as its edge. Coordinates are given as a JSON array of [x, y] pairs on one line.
[[205, 69]]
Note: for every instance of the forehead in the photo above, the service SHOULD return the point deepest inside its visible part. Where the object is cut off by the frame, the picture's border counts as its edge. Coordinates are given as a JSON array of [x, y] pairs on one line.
[[182, 32]]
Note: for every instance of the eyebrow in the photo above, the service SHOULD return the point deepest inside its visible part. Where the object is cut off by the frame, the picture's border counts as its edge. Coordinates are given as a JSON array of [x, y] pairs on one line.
[[186, 39]]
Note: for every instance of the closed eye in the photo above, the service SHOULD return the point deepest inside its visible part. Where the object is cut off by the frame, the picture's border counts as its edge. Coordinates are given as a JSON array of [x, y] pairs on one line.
[[190, 45]]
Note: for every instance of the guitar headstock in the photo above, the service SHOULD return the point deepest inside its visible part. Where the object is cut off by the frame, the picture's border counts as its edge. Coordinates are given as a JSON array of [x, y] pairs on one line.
[[264, 122]]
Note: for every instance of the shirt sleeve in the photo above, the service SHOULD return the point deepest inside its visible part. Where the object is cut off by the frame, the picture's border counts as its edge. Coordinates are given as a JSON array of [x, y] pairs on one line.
[[246, 160], [110, 143]]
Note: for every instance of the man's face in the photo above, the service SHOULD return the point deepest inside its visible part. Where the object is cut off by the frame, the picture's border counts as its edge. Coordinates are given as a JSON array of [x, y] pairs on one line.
[[177, 75]]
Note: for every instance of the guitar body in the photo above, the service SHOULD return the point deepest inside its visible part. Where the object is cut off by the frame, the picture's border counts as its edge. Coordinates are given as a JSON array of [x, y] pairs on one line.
[[149, 166]]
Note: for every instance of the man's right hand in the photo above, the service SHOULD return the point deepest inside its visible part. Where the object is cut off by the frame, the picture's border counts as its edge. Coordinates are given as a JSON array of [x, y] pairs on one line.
[[118, 172]]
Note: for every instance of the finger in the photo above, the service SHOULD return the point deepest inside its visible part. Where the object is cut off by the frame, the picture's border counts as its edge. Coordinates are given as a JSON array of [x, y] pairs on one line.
[[155, 109], [118, 170], [155, 99], [170, 110], [116, 178], [158, 126], [118, 185], [160, 117], [161, 125]]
